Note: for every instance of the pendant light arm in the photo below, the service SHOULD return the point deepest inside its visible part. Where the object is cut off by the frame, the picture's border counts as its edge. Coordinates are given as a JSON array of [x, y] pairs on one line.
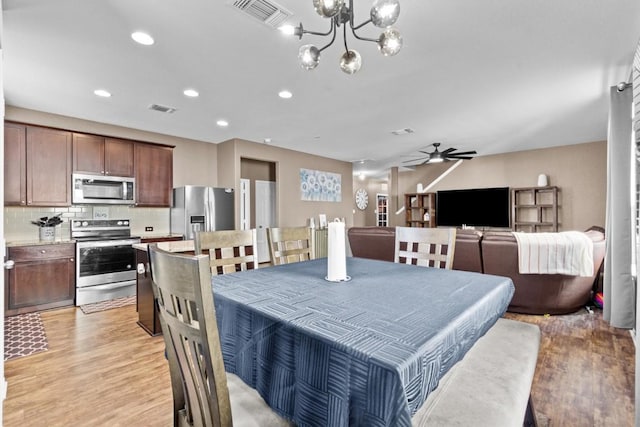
[[299, 31], [344, 36], [359, 26], [333, 37], [353, 30]]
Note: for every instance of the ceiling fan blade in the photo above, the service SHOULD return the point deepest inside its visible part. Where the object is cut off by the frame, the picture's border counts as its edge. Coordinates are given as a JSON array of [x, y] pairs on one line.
[[448, 150], [459, 158], [415, 160], [463, 153]]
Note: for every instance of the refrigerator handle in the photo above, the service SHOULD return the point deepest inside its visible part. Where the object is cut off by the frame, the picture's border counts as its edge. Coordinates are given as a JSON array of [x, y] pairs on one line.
[[209, 210]]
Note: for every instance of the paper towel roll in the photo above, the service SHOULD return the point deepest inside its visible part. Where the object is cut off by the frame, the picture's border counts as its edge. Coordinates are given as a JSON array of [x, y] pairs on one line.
[[337, 258]]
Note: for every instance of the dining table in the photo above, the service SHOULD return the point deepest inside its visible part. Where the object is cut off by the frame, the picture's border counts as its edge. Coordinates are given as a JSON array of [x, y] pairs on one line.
[[361, 352]]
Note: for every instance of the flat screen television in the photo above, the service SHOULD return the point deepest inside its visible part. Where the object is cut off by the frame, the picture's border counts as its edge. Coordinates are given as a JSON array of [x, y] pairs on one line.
[[477, 207]]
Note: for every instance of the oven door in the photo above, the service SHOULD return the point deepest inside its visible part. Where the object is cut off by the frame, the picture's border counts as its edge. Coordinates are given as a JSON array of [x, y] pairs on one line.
[[105, 262]]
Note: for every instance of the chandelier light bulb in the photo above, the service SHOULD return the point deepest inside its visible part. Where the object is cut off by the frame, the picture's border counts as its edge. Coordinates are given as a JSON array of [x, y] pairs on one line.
[[384, 13], [309, 56], [328, 8], [287, 29], [390, 42], [350, 62]]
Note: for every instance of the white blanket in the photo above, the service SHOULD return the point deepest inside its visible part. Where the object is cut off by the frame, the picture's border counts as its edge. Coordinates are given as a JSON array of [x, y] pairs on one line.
[[567, 252]]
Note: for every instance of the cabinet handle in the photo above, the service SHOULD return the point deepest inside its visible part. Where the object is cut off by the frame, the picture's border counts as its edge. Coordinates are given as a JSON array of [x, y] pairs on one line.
[[71, 260], [9, 264], [43, 251]]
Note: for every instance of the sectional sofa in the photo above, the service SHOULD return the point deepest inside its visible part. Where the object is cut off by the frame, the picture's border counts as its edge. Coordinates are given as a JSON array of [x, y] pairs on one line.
[[496, 252]]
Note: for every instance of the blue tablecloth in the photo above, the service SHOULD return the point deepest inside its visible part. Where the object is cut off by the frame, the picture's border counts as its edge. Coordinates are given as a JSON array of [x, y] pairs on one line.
[[365, 352]]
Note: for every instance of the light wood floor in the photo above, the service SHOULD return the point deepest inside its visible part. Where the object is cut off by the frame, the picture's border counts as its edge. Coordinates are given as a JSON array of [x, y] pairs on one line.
[[102, 369]]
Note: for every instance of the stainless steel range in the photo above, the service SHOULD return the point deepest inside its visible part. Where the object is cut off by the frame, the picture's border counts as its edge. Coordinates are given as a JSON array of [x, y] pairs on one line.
[[105, 259]]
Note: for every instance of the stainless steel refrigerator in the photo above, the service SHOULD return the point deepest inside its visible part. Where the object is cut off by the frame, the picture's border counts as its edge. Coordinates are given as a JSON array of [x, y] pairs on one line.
[[197, 208]]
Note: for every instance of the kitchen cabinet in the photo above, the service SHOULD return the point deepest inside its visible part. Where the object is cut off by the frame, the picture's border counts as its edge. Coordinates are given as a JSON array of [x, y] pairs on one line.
[[148, 316], [15, 164], [154, 174], [103, 156], [42, 277], [37, 166]]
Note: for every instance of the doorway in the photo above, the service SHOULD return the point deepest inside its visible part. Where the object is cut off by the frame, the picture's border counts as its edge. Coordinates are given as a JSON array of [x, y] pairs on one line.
[[265, 215], [259, 192]]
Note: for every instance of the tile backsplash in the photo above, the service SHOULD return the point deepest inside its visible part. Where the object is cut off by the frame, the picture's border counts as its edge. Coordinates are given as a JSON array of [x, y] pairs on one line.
[[18, 226]]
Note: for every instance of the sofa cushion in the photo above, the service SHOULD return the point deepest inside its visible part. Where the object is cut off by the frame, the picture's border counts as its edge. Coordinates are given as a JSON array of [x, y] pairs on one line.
[[468, 254], [373, 242]]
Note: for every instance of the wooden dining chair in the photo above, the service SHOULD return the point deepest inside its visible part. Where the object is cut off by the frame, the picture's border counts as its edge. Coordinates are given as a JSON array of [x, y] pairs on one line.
[[229, 250], [432, 247], [203, 393], [287, 245]]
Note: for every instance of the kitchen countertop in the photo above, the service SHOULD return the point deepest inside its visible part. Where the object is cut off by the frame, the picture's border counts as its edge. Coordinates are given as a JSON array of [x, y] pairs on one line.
[[175, 246], [158, 235], [38, 242]]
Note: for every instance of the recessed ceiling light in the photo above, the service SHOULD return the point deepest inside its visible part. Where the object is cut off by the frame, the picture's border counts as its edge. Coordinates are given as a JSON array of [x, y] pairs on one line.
[[103, 93], [191, 93], [222, 123], [142, 38], [285, 94]]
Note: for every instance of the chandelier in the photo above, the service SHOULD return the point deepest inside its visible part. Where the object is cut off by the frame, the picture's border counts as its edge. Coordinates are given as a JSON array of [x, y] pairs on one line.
[[384, 13]]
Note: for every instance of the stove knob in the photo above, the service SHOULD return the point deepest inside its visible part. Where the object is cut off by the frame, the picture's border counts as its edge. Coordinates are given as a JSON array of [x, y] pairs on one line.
[[125, 223], [77, 223], [85, 223], [119, 222]]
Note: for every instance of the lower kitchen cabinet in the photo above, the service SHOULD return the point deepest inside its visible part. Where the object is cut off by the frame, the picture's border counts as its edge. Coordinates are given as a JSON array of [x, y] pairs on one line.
[[148, 315], [42, 277]]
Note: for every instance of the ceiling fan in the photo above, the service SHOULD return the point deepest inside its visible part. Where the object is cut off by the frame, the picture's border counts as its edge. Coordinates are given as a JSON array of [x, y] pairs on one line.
[[441, 156]]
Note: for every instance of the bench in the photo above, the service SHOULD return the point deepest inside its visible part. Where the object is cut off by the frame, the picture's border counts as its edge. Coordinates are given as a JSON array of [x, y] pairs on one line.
[[491, 385]]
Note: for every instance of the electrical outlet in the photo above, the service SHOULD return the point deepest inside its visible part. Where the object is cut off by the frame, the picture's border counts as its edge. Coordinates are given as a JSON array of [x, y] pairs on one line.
[[148, 229]]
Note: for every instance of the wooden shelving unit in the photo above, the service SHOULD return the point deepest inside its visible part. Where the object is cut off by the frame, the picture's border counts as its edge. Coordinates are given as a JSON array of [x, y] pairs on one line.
[[417, 205], [534, 209]]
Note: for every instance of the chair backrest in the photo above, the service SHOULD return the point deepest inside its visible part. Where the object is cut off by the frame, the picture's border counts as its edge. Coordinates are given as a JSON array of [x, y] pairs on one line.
[[229, 250], [287, 245], [432, 247], [182, 287]]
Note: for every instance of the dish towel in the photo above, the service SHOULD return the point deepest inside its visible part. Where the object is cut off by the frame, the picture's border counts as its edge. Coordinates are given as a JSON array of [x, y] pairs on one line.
[[567, 252]]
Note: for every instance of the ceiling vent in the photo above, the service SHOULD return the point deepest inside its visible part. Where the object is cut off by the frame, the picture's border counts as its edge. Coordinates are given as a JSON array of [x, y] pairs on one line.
[[404, 131], [162, 108], [266, 11]]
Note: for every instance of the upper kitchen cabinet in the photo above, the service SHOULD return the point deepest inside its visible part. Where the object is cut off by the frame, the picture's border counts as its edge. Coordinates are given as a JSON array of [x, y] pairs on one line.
[[15, 164], [37, 166], [103, 156], [154, 175]]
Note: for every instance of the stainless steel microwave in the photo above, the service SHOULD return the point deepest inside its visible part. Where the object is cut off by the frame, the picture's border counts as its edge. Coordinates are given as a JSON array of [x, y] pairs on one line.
[[103, 190]]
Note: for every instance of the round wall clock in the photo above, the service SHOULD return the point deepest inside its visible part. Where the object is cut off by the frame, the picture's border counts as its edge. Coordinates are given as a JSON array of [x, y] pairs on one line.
[[362, 199]]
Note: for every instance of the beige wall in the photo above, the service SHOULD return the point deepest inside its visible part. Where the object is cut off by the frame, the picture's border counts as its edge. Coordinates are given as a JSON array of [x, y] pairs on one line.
[[202, 163], [578, 170], [194, 163], [368, 216], [291, 210]]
